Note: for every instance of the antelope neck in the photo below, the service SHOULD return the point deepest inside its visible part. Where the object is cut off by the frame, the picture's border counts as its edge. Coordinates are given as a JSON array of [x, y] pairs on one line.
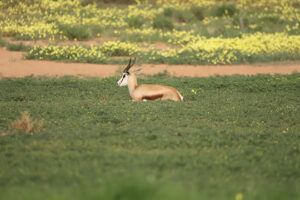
[[132, 83]]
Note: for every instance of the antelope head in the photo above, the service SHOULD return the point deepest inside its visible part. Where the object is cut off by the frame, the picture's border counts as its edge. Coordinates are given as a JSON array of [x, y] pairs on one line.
[[124, 79]]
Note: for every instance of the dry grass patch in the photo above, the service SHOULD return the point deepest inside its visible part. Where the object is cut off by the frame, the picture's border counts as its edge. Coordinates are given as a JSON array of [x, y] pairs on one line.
[[3, 133], [26, 123]]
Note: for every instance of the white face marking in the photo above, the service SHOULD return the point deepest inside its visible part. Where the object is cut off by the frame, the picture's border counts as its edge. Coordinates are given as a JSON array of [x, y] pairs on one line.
[[123, 80]]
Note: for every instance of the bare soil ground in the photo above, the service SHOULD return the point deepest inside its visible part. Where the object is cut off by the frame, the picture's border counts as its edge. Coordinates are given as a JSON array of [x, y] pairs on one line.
[[12, 64]]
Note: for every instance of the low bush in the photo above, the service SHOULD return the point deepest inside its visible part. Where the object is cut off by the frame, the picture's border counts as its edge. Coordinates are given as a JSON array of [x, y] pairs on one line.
[[178, 14], [2, 41], [96, 29], [72, 53], [17, 47], [135, 22], [162, 22], [183, 15], [198, 13], [76, 31], [168, 11], [224, 9]]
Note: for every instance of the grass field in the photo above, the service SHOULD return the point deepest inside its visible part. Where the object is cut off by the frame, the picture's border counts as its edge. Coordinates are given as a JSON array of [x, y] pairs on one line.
[[233, 137]]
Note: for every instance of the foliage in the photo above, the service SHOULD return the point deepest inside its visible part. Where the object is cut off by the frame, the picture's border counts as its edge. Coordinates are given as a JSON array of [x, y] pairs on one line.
[[198, 12], [2, 41], [183, 23], [163, 23], [225, 10], [27, 21], [68, 53], [135, 21], [75, 31], [193, 50], [179, 14], [17, 47], [117, 48], [232, 137]]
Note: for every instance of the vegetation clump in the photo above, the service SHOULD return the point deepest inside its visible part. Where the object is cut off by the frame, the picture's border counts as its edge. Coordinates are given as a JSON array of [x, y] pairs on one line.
[[163, 23], [225, 10], [135, 22], [75, 31], [26, 123]]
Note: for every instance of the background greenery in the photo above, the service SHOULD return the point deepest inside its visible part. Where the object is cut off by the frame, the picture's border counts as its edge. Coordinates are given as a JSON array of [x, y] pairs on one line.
[[232, 138], [162, 31]]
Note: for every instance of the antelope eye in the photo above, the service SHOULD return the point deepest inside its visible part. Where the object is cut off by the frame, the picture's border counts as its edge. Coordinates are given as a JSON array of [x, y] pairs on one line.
[[124, 76]]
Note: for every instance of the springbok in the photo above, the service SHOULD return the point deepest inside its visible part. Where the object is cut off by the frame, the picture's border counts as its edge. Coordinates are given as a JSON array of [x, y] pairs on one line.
[[146, 91]]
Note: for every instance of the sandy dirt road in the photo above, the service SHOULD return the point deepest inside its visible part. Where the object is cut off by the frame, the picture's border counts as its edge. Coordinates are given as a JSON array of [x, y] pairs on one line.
[[12, 64]]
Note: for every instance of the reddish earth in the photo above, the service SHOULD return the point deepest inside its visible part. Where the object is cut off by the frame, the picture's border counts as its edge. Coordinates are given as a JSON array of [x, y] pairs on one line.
[[12, 64]]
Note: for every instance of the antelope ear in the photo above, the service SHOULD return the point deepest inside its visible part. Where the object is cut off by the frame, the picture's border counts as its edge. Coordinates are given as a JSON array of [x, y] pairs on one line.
[[137, 70]]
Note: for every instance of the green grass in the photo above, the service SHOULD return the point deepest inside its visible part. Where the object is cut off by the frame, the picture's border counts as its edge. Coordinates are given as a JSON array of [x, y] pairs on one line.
[[236, 136], [2, 41], [18, 47]]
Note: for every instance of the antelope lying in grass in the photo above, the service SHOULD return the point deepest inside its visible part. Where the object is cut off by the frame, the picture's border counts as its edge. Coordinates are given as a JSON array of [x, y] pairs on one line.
[[146, 91]]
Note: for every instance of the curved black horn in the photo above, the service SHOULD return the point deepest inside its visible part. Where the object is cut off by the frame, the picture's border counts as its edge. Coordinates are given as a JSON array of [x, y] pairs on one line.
[[127, 67], [133, 62], [130, 64]]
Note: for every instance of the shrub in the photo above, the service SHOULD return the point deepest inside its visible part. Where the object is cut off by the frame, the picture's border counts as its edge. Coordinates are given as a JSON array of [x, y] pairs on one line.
[[135, 22], [17, 47], [241, 21], [162, 22], [2, 41], [183, 15], [225, 9], [271, 19], [117, 48], [109, 2], [75, 31], [74, 53], [96, 29], [198, 13], [178, 14], [168, 12], [26, 123]]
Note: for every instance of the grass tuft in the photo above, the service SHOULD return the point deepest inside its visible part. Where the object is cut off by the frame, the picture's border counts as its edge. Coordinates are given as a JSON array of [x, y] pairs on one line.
[[26, 123]]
